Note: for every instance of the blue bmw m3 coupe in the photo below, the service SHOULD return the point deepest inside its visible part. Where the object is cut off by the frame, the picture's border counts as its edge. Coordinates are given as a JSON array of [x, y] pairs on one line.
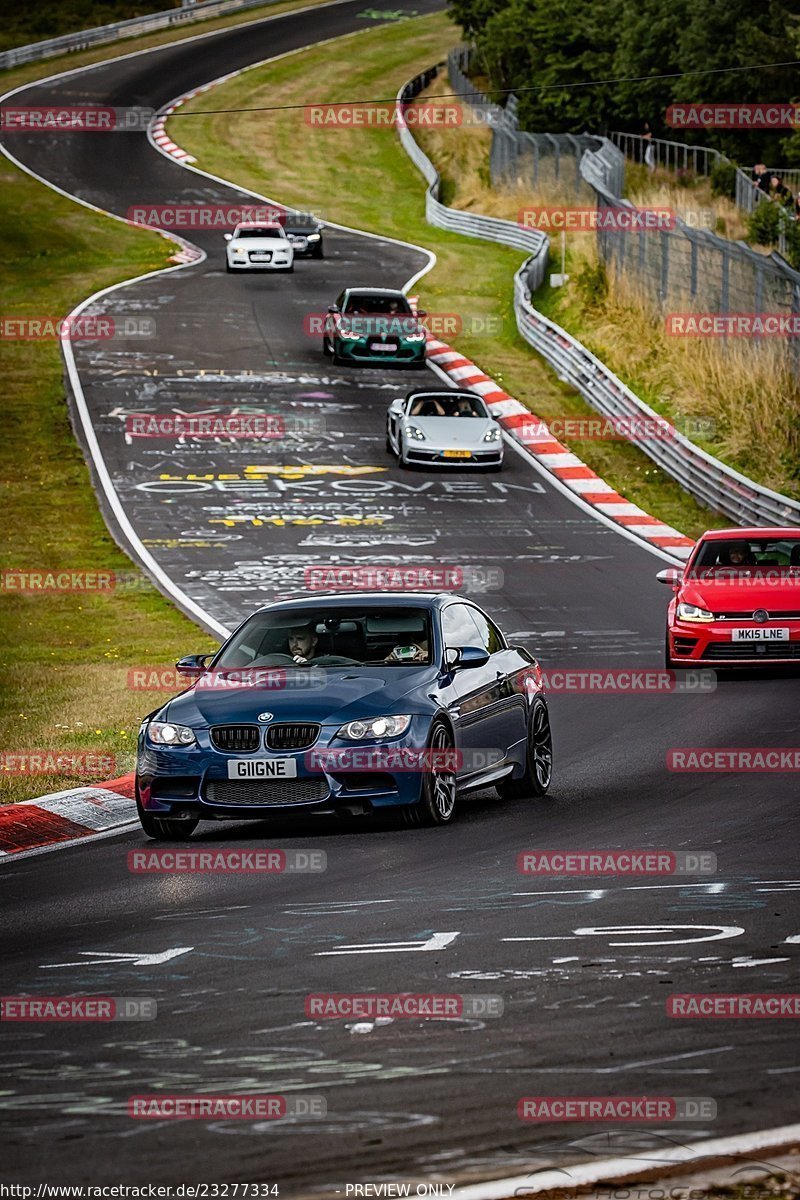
[[346, 705]]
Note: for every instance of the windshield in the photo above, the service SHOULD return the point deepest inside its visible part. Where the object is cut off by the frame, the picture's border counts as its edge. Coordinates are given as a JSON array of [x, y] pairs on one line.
[[255, 232], [328, 636], [439, 404], [752, 557], [368, 304]]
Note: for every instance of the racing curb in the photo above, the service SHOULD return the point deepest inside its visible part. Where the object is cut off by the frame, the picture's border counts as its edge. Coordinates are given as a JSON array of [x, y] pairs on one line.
[[531, 432], [70, 816]]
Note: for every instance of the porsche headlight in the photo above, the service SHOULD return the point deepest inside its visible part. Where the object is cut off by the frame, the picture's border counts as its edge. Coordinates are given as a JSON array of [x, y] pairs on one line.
[[492, 435], [690, 612], [416, 433], [164, 733], [374, 727]]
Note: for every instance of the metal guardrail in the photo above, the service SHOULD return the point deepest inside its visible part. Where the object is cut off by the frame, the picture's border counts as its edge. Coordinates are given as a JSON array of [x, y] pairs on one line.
[[84, 39], [710, 481], [491, 229]]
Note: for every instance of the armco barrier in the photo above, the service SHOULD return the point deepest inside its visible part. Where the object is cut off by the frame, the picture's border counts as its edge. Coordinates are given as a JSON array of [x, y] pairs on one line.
[[149, 23], [490, 229], [710, 481]]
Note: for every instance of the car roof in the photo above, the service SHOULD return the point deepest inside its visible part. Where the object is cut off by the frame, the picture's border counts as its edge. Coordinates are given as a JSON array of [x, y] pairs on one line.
[[377, 291], [755, 531], [366, 599], [259, 225]]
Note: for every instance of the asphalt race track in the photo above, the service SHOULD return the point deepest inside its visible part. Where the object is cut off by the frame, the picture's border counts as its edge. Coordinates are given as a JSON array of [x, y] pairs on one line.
[[230, 959]]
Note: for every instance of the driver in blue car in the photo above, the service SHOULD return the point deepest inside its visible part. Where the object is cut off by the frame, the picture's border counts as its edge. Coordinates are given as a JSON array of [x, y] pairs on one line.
[[303, 643]]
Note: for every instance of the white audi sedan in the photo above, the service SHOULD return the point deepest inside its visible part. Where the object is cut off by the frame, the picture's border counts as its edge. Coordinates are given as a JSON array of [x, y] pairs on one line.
[[263, 247]]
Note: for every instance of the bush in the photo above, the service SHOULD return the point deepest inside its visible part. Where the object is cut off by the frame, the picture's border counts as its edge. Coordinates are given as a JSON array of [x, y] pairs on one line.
[[723, 180], [763, 224]]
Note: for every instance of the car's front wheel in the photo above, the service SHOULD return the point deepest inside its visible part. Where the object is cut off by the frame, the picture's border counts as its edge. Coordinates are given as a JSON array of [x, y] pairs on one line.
[[437, 800], [165, 829], [538, 758]]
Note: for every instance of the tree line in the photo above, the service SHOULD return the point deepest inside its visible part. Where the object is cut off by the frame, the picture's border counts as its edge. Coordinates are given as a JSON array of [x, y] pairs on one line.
[[620, 64]]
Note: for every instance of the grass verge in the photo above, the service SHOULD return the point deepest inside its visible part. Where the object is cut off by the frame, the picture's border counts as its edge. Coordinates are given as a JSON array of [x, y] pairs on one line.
[[362, 177]]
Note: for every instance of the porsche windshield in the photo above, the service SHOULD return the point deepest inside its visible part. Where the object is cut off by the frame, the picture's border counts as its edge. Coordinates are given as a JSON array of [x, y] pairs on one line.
[[324, 636]]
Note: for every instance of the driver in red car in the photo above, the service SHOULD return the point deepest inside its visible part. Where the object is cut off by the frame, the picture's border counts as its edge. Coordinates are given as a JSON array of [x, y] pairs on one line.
[[737, 554]]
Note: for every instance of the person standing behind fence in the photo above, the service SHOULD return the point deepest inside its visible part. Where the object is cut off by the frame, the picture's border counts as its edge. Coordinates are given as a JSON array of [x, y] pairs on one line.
[[649, 149], [761, 177]]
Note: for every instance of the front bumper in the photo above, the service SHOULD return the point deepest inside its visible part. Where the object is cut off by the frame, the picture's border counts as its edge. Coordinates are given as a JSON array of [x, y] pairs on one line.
[[275, 264], [416, 453], [711, 643], [406, 354], [195, 779]]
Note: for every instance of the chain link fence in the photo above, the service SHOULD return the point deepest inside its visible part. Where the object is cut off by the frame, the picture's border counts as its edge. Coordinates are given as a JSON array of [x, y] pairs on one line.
[[678, 269]]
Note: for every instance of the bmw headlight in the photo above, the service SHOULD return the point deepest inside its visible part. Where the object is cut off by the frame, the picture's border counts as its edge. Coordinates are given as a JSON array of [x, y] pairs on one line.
[[313, 237], [164, 733], [492, 435], [416, 433], [415, 337], [350, 335], [690, 612], [374, 727]]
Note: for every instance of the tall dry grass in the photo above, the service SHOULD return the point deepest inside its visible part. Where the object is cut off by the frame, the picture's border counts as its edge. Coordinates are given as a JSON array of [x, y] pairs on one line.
[[745, 393]]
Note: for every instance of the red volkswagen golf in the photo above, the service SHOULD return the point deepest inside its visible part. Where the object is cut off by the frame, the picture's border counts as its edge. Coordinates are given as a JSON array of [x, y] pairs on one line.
[[737, 602]]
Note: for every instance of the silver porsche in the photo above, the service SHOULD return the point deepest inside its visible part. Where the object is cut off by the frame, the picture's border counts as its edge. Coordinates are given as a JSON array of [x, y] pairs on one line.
[[443, 429]]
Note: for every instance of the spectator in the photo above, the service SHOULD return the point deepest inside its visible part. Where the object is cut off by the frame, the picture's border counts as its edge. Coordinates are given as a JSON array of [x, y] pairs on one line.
[[778, 190], [761, 177], [649, 149], [797, 206]]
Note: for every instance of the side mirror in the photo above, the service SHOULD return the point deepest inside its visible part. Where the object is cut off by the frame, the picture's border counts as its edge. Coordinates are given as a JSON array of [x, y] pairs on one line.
[[333, 308], [397, 405], [193, 665], [228, 237], [671, 576], [466, 657]]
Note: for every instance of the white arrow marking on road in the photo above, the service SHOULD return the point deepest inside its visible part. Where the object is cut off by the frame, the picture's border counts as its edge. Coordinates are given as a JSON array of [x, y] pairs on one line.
[[106, 958], [437, 941], [720, 932], [747, 961]]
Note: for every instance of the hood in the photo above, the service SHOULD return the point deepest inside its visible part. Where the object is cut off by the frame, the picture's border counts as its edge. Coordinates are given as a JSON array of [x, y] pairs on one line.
[[454, 431], [336, 695], [744, 596], [260, 243]]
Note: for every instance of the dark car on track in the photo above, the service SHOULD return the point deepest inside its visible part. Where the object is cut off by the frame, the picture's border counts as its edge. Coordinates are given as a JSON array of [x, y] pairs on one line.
[[374, 326], [347, 705], [305, 233], [737, 602]]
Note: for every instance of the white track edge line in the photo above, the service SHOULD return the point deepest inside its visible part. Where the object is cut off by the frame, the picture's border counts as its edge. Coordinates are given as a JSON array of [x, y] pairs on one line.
[[596, 1171]]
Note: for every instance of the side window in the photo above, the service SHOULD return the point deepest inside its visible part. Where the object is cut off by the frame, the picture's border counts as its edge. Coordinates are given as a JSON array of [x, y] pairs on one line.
[[458, 627], [339, 302], [490, 635]]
